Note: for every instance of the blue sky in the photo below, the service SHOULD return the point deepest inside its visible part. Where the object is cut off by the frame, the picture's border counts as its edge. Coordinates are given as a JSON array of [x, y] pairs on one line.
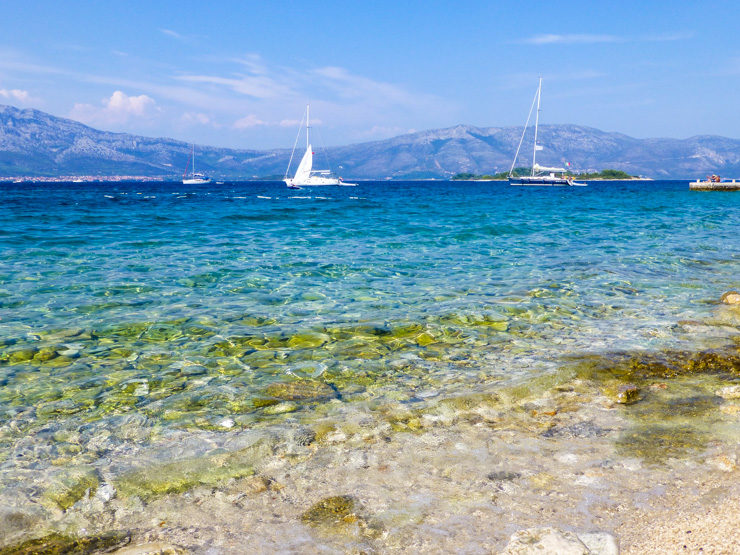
[[239, 73]]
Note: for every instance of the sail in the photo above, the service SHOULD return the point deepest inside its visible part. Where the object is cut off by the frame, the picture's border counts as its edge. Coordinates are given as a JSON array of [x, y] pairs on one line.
[[304, 168]]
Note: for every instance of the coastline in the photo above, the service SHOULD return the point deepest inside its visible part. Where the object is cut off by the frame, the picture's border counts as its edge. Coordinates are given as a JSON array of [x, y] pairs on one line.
[[588, 179]]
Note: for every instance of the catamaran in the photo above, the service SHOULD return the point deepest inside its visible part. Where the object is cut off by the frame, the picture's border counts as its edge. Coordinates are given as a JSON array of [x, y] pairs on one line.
[[305, 175], [195, 177], [541, 175]]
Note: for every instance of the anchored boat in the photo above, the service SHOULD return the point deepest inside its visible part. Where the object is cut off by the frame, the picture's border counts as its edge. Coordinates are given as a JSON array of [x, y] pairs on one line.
[[195, 178], [305, 175], [541, 175]]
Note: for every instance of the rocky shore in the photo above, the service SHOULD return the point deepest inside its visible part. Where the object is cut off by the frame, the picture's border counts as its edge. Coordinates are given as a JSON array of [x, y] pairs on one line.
[[621, 452]]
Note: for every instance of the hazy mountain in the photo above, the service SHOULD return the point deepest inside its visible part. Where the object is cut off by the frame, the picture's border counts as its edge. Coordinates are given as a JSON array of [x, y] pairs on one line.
[[33, 143]]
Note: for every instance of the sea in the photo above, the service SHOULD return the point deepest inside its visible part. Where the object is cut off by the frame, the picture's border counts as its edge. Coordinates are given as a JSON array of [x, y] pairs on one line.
[[145, 323]]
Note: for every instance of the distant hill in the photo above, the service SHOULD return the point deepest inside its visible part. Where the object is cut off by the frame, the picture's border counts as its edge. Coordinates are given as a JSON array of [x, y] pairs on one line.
[[34, 143]]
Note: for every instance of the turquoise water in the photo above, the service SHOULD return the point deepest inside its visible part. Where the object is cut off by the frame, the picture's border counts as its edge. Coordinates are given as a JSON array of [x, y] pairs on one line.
[[188, 304]]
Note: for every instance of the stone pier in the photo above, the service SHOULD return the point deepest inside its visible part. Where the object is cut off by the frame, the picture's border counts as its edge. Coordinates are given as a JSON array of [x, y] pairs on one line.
[[714, 186]]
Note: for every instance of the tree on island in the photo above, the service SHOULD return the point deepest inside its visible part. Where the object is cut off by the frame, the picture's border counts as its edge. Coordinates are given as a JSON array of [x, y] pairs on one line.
[[603, 174], [518, 172]]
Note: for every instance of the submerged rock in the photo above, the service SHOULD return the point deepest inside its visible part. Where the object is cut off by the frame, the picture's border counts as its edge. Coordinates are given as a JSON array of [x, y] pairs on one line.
[[634, 367], [730, 297], [281, 408], [342, 514], [55, 543], [656, 443], [503, 475], [628, 394], [71, 486], [15, 522], [21, 355], [153, 548], [182, 475], [301, 390], [332, 509]]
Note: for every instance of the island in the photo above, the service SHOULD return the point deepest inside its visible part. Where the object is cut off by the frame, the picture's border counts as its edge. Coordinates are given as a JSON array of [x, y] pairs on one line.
[[608, 174]]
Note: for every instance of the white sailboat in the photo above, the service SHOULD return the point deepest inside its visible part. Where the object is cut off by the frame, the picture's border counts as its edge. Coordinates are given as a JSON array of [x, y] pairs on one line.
[[305, 175], [195, 178], [541, 175]]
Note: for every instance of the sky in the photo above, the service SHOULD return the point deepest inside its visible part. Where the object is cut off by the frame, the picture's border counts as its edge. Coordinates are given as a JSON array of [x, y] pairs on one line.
[[240, 73]]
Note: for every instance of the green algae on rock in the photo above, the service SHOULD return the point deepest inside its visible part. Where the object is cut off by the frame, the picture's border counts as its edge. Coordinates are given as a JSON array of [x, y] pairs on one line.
[[677, 392], [58, 544], [71, 485], [625, 394], [331, 509], [182, 475], [666, 364], [342, 514], [301, 390], [655, 443]]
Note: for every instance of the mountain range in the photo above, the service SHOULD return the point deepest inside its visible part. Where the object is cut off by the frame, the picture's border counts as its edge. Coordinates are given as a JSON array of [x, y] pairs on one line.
[[35, 144]]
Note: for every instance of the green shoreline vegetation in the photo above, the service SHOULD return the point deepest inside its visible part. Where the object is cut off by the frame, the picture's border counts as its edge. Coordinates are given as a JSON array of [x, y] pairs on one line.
[[518, 172]]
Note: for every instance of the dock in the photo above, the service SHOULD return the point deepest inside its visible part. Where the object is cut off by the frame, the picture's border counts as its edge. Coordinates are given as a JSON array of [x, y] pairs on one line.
[[715, 185]]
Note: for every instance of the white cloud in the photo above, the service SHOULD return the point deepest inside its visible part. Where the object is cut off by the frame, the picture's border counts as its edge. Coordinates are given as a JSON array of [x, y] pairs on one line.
[[571, 39], [349, 85], [16, 95], [248, 121], [341, 95], [121, 103], [245, 93], [382, 132], [118, 109], [171, 33], [595, 39], [256, 86]]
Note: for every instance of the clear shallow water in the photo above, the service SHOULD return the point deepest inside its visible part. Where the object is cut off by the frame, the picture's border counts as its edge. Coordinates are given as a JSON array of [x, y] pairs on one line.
[[187, 304]]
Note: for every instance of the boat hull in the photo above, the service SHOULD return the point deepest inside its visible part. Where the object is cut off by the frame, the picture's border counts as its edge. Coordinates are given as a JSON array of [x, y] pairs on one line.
[[545, 181], [197, 181], [312, 182]]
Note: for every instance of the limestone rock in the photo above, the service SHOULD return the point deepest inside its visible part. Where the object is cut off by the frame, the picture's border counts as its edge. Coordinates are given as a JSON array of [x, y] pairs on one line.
[[153, 548], [541, 541], [600, 543], [731, 297]]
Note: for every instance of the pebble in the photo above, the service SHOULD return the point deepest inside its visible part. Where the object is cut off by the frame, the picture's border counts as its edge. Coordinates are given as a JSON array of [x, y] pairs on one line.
[[227, 423], [727, 463], [105, 493], [729, 392]]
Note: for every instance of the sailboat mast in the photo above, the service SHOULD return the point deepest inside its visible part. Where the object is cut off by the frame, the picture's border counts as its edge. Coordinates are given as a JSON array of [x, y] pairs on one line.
[[193, 158], [536, 123], [308, 126]]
